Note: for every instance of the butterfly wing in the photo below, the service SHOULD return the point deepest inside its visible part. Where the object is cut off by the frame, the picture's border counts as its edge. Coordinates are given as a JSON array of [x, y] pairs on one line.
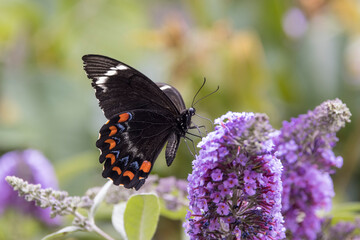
[[130, 143], [174, 96], [142, 117], [120, 88], [174, 138]]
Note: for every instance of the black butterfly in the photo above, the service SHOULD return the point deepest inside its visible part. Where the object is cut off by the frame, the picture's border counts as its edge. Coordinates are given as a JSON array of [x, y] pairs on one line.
[[143, 116]]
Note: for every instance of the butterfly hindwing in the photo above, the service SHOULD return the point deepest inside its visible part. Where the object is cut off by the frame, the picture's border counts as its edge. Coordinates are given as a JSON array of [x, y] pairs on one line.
[[130, 142], [174, 138], [174, 95]]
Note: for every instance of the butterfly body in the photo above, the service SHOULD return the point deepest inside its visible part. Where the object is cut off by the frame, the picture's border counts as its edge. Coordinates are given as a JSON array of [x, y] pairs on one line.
[[142, 115]]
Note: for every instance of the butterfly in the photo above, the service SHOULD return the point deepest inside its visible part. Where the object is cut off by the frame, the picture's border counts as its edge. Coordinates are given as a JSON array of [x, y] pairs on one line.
[[142, 117]]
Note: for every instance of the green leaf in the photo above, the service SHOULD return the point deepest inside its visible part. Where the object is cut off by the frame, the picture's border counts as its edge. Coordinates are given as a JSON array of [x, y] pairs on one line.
[[62, 232], [117, 219], [98, 199], [141, 216]]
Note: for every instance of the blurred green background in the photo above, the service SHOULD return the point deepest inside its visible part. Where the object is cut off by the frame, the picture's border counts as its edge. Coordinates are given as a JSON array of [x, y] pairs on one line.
[[281, 58]]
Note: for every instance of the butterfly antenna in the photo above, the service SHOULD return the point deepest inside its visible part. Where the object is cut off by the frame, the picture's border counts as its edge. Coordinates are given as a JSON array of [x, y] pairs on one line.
[[192, 104], [206, 95]]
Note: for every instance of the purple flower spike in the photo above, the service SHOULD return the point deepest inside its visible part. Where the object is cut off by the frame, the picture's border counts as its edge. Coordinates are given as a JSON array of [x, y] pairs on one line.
[[304, 146], [343, 230], [32, 166], [235, 187]]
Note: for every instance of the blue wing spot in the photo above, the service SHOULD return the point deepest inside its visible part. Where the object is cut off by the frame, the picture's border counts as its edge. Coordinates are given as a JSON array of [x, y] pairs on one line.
[[130, 116], [134, 165], [117, 140], [120, 127], [116, 153], [124, 160]]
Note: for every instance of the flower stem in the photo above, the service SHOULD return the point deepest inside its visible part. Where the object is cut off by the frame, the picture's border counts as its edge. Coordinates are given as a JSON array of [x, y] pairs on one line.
[[91, 226], [101, 232]]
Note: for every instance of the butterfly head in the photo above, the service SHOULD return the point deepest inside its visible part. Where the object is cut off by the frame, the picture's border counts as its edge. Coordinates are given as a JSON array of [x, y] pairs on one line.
[[188, 115], [184, 121], [191, 111]]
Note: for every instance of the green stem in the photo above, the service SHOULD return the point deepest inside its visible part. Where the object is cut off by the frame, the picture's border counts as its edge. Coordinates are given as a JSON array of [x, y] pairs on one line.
[[93, 226], [100, 232]]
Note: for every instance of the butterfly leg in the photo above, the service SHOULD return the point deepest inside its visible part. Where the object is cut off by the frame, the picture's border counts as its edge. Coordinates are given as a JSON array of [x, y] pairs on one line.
[[195, 135], [187, 138], [194, 126]]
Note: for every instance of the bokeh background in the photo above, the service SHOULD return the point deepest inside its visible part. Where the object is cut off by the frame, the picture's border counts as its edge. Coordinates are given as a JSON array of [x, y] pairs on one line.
[[281, 58]]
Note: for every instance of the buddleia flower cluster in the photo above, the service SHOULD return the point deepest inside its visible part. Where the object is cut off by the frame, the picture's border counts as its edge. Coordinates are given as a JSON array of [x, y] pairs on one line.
[[235, 187], [59, 202], [172, 192], [304, 146], [341, 230], [34, 167]]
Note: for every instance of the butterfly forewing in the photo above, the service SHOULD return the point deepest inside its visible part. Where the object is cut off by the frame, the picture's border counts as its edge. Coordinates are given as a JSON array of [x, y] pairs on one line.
[[119, 87]]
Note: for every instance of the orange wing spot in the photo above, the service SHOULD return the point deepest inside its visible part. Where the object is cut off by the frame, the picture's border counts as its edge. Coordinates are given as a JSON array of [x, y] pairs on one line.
[[110, 178], [112, 157], [111, 142], [140, 178], [123, 117], [107, 122], [117, 169], [145, 166], [129, 174], [113, 130]]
